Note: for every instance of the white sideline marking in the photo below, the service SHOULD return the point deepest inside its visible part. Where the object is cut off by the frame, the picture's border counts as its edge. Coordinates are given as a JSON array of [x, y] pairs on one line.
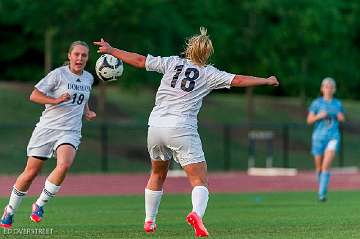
[[272, 171], [176, 173], [345, 170]]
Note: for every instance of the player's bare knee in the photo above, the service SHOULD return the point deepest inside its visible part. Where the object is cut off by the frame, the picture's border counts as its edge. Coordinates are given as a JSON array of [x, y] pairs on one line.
[[158, 176], [198, 182], [159, 172], [63, 167]]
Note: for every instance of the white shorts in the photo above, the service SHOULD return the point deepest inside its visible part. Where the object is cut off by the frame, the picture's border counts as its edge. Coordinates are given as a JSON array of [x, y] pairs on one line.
[[332, 145], [181, 144], [44, 142]]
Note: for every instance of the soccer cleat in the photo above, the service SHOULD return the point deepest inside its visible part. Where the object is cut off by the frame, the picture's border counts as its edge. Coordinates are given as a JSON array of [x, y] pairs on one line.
[[37, 213], [322, 199], [195, 221], [150, 227], [6, 219]]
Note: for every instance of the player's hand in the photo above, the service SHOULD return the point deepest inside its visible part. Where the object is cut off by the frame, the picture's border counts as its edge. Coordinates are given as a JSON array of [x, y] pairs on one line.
[[90, 115], [340, 117], [322, 115], [104, 47], [64, 97], [273, 81]]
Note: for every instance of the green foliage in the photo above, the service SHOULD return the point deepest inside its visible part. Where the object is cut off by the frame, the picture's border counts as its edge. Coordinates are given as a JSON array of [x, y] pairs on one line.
[[301, 42]]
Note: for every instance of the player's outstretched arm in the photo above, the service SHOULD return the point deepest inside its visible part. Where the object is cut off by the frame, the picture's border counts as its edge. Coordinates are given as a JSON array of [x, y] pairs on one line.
[[245, 81], [40, 98], [130, 58]]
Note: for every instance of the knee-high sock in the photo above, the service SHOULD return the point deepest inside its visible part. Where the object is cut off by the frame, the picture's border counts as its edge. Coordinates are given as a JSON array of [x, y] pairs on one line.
[[15, 200], [47, 193], [199, 198], [324, 182], [152, 203]]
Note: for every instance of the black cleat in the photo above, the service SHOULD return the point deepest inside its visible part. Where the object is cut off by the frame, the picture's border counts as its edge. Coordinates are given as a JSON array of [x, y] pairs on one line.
[[322, 199]]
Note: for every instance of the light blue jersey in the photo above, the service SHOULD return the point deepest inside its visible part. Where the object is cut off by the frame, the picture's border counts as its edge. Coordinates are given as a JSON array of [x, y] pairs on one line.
[[327, 129]]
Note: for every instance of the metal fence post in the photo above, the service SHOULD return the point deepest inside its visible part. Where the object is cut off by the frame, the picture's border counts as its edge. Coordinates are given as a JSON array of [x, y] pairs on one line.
[[104, 147], [270, 153], [251, 152], [285, 135], [341, 149], [227, 153]]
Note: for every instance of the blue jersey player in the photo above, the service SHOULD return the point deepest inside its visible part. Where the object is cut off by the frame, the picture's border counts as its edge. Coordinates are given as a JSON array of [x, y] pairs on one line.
[[325, 113]]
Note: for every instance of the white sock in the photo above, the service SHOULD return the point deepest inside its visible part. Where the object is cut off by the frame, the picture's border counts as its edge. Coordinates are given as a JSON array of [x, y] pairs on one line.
[[48, 192], [199, 199], [152, 203], [15, 200]]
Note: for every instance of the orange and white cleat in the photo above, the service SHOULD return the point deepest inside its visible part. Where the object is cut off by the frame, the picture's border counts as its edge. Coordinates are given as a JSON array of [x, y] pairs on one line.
[[150, 227], [196, 222]]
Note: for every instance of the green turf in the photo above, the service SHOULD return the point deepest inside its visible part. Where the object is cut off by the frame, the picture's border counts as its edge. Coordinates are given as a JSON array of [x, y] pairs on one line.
[[257, 215]]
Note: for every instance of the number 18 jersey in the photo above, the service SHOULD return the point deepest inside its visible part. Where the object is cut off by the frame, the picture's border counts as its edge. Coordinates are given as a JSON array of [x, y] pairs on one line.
[[182, 88]]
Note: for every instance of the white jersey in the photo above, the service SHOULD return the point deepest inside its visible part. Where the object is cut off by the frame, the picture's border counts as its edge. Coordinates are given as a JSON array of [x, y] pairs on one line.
[[66, 115], [182, 88]]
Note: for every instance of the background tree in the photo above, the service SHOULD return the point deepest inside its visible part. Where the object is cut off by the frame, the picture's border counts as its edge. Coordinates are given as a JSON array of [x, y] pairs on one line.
[[299, 41]]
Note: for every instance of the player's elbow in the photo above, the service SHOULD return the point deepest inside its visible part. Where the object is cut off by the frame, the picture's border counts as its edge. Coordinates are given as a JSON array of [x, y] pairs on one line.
[[237, 81], [309, 121], [140, 62], [32, 96]]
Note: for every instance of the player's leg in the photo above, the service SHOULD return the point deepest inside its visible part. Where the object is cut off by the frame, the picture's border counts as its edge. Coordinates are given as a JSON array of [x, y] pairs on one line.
[[154, 192], [188, 152], [197, 175], [329, 156], [158, 175], [317, 150], [318, 159], [65, 155], [22, 184], [160, 160]]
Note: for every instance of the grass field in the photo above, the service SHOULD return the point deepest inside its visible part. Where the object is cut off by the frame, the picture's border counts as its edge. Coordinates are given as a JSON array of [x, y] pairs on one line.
[[262, 215]]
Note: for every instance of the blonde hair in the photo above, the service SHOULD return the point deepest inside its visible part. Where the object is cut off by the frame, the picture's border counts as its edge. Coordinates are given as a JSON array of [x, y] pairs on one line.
[[199, 48], [74, 44], [330, 81]]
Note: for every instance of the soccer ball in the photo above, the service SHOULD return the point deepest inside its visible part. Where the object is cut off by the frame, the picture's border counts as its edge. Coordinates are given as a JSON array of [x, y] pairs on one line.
[[108, 67]]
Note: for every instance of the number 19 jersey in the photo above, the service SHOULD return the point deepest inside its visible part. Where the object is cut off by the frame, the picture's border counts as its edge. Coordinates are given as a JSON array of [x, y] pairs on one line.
[[66, 115], [182, 88]]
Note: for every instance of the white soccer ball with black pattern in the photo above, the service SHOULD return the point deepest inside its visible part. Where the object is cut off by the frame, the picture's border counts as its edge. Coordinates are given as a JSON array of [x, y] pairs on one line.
[[109, 68]]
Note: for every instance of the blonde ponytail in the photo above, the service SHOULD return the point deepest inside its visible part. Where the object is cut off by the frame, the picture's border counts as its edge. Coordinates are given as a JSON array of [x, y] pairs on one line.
[[199, 48]]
